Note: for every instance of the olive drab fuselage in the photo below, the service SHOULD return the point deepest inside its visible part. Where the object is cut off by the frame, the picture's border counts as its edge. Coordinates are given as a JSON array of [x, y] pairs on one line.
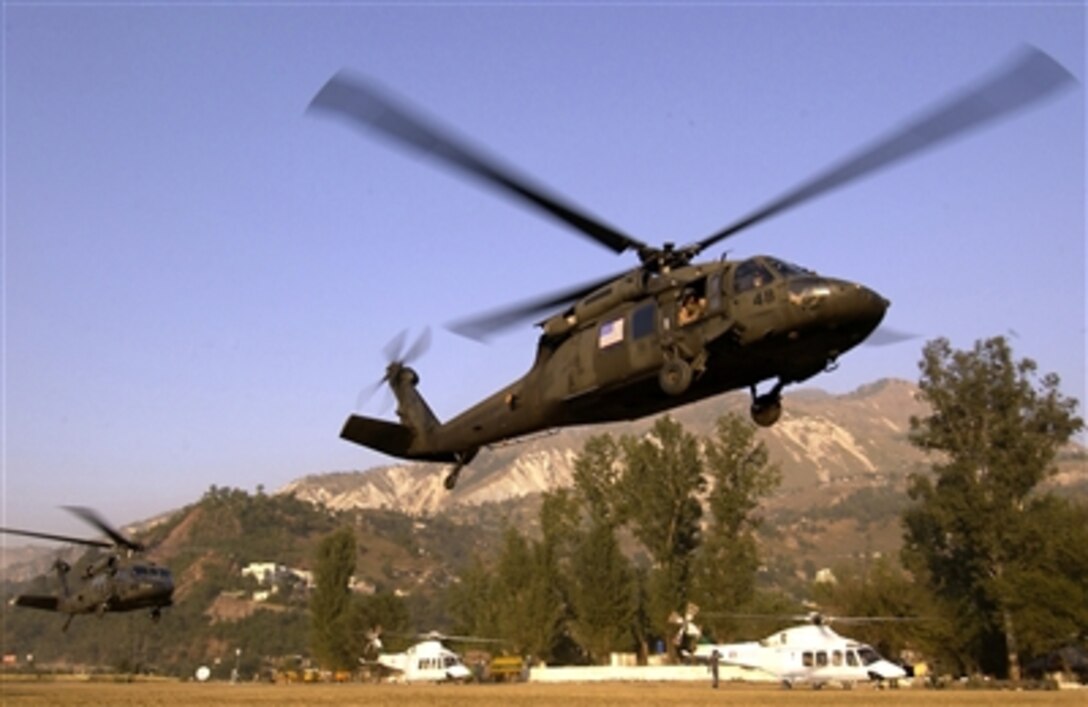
[[113, 581], [784, 323], [611, 355], [126, 586]]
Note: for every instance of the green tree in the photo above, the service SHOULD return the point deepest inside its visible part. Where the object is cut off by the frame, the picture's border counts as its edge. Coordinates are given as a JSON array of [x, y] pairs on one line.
[[740, 477], [603, 590], [332, 640], [1046, 589], [979, 530], [473, 602], [603, 594], [597, 471], [659, 492], [529, 596]]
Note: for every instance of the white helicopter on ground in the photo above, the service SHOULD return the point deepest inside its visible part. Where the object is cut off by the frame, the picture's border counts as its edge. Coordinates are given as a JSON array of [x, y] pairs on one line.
[[427, 661], [811, 653]]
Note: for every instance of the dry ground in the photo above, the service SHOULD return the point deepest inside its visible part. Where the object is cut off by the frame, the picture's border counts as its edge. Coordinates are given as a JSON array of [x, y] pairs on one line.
[[523, 695]]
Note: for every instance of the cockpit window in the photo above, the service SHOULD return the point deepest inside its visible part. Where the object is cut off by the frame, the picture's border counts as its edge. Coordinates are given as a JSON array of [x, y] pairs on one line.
[[750, 275], [786, 269], [868, 655]]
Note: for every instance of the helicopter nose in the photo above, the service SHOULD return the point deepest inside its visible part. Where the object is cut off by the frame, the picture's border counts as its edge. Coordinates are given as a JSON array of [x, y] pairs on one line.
[[860, 306], [887, 670]]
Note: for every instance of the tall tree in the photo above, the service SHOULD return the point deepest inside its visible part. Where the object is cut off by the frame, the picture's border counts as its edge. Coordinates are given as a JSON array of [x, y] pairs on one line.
[[660, 489], [997, 428], [524, 599], [529, 597], [603, 594], [740, 477], [473, 602], [331, 638], [603, 585], [597, 471]]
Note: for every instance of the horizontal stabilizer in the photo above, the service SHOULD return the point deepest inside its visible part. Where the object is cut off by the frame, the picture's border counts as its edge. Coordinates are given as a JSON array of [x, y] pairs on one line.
[[389, 438], [37, 601]]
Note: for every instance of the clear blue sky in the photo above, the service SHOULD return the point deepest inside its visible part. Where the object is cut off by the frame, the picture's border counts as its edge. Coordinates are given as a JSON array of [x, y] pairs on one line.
[[198, 277]]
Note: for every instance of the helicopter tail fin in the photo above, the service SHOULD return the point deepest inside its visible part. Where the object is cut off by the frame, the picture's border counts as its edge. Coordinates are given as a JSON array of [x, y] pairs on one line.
[[37, 601], [388, 438]]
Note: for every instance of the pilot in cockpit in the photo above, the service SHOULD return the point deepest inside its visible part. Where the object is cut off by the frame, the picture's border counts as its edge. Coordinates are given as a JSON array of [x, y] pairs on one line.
[[691, 307]]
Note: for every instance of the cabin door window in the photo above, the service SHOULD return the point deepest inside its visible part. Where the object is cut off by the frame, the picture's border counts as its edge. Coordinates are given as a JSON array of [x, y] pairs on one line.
[[644, 346]]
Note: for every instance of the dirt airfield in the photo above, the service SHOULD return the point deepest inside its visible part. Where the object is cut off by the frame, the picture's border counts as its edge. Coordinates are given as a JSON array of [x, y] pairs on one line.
[[520, 695]]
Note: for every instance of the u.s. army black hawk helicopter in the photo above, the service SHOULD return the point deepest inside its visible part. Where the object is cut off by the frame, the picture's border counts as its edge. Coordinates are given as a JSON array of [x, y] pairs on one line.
[[671, 330], [116, 581]]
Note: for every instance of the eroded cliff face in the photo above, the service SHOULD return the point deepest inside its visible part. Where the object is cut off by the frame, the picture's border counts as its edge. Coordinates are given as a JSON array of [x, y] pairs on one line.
[[821, 440]]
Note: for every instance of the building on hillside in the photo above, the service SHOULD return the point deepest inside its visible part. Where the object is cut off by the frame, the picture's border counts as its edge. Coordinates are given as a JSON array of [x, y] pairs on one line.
[[266, 573]]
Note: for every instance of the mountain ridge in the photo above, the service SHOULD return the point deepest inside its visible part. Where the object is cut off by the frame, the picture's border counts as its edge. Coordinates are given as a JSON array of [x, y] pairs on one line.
[[821, 440]]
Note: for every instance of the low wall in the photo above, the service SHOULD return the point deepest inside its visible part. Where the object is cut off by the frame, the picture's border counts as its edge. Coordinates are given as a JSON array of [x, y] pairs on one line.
[[644, 673]]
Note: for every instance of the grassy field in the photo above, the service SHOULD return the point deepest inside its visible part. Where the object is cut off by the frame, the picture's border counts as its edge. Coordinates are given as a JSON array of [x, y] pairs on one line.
[[598, 695]]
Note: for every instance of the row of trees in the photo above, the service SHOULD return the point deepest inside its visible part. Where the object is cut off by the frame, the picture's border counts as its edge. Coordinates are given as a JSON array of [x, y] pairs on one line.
[[997, 565], [684, 507], [652, 524]]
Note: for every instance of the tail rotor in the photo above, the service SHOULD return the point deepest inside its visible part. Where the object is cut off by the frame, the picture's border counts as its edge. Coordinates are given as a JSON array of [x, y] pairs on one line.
[[397, 358]]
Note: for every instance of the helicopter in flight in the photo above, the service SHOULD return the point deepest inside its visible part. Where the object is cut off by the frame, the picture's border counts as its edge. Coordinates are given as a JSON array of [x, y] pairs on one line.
[[114, 582], [810, 653], [671, 330]]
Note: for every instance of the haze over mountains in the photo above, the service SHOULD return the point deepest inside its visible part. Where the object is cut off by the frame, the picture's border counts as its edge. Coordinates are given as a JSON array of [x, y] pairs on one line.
[[844, 460]]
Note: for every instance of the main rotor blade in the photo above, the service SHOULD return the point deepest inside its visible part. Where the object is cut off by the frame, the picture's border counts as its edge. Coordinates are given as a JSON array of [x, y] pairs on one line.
[[820, 619], [483, 325], [96, 520], [364, 104], [1032, 76], [887, 336], [58, 538]]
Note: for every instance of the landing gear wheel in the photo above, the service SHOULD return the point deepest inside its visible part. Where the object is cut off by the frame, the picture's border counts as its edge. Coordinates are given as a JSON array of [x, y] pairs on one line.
[[675, 376], [451, 478], [766, 410], [156, 614]]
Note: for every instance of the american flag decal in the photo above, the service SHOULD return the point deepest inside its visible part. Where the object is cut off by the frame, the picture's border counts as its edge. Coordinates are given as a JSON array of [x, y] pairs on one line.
[[611, 333]]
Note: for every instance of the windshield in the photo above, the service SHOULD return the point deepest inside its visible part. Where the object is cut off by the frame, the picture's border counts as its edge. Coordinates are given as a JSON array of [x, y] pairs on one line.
[[786, 269], [749, 275], [868, 655]]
